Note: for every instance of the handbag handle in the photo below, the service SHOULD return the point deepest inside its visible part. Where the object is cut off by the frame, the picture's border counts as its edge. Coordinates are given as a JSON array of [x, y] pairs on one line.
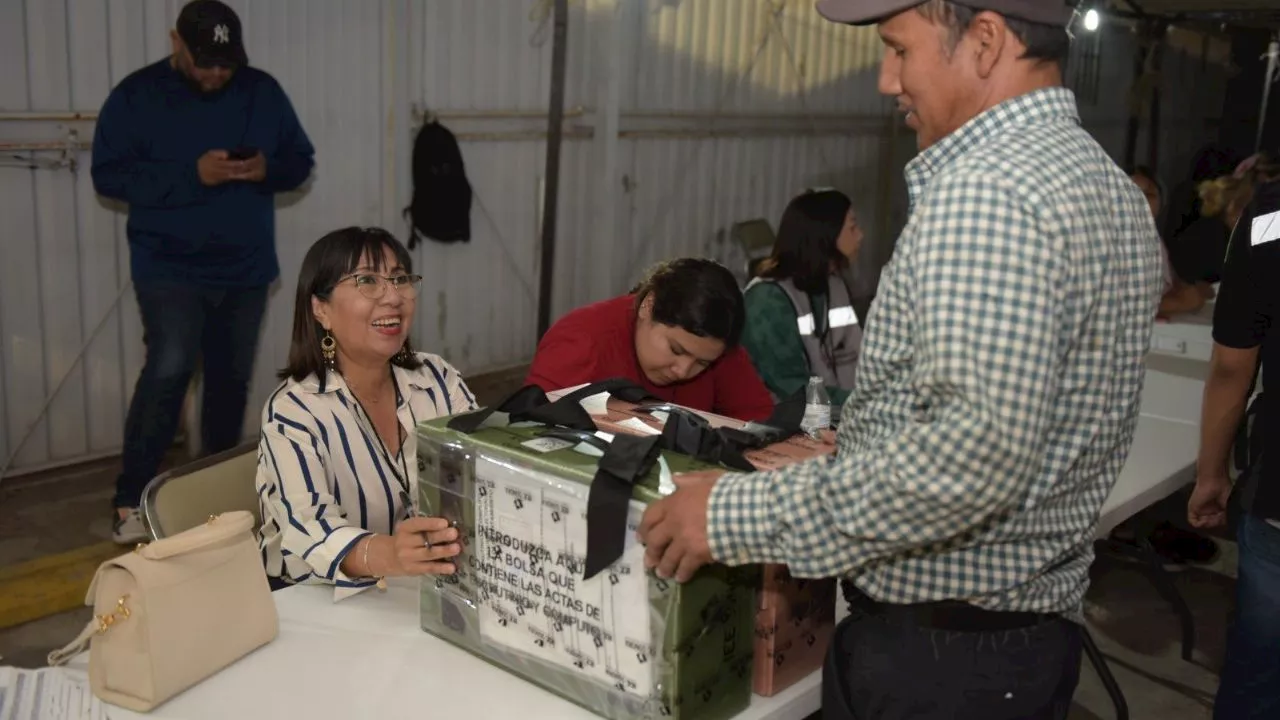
[[217, 529], [99, 625]]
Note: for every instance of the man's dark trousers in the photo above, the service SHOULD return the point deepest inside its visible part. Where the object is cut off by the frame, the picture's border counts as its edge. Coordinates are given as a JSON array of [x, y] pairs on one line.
[[887, 663], [183, 324]]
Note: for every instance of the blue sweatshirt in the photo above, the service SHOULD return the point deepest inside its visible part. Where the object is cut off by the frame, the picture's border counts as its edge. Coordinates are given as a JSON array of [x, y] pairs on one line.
[[150, 134]]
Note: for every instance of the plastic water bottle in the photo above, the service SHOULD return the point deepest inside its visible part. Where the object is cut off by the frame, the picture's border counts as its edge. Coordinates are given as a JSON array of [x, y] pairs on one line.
[[817, 408]]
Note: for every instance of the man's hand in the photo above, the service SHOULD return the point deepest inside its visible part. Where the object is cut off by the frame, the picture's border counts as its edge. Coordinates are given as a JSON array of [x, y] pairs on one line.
[[674, 529], [252, 170], [214, 168], [1207, 507]]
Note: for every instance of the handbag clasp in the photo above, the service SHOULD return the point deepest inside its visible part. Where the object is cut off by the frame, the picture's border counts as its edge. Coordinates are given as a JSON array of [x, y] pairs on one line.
[[122, 612]]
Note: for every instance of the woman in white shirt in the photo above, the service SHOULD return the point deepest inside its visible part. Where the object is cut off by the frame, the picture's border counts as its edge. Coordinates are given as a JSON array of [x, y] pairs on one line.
[[337, 451]]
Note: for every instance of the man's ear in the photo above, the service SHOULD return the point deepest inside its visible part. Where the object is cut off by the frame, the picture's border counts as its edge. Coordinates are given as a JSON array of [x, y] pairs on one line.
[[990, 37], [320, 310], [176, 41]]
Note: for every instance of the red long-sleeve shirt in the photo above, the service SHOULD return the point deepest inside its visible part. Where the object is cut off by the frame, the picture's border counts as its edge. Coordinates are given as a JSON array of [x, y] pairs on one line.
[[597, 342]]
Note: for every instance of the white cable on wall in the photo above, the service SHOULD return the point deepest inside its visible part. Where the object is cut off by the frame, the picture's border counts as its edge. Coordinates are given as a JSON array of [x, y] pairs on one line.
[[48, 401]]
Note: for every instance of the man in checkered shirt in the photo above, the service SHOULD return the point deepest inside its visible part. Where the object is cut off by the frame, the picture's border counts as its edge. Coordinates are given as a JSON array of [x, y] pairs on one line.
[[996, 396]]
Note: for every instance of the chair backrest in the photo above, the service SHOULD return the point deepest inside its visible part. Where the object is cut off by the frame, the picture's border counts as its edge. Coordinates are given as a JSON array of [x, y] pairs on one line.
[[755, 237], [186, 496]]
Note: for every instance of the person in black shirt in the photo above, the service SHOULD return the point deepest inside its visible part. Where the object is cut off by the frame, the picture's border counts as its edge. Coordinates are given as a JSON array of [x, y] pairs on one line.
[[1183, 208], [1198, 250], [1185, 236], [1247, 307]]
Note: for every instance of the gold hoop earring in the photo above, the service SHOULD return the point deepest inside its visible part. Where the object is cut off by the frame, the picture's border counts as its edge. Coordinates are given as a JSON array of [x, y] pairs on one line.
[[328, 348]]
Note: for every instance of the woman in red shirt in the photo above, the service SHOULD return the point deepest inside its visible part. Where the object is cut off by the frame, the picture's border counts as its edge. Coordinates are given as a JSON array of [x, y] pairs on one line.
[[676, 335]]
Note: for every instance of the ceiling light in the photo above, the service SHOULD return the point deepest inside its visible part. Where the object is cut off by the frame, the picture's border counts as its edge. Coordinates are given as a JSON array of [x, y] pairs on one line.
[[1092, 20]]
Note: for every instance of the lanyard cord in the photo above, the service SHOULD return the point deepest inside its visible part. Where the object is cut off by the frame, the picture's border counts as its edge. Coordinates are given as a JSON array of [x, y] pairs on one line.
[[400, 468]]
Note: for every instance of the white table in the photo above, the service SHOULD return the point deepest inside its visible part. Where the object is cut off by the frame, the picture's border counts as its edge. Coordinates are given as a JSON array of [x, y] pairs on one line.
[[1189, 335], [1161, 461], [366, 657], [1174, 388], [1167, 439]]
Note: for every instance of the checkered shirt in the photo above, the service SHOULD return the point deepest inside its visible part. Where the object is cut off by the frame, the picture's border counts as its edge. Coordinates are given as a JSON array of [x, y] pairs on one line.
[[997, 393]]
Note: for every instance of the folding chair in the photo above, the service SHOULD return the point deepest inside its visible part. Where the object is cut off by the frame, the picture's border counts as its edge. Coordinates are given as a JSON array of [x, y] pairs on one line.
[[755, 237], [186, 496]]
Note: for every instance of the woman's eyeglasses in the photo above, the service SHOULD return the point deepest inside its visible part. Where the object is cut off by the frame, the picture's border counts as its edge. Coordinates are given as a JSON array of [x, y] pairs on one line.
[[375, 286]]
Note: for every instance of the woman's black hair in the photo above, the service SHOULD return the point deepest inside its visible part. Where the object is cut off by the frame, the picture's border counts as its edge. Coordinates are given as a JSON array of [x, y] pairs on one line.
[[698, 296], [805, 250], [329, 259]]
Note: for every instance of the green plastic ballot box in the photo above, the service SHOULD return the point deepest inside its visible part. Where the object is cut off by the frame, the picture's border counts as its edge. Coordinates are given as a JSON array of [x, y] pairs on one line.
[[624, 643]]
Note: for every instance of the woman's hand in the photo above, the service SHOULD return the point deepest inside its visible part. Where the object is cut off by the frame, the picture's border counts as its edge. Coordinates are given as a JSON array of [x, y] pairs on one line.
[[424, 546]]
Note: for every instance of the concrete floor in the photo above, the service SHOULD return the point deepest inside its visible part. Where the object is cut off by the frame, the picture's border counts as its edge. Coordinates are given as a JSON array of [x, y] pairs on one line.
[[63, 510]]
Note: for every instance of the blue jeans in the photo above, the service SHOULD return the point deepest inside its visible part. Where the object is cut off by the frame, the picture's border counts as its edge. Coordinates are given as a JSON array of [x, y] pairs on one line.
[[1250, 686], [182, 324]]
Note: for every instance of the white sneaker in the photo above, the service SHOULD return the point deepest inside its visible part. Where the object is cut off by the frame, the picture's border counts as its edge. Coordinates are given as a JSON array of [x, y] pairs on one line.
[[129, 529]]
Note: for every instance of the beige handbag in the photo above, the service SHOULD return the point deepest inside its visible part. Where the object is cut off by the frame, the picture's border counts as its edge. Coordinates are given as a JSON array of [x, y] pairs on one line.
[[172, 613]]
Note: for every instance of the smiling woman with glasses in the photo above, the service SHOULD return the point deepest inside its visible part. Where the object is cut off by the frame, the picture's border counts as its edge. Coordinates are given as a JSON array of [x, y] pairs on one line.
[[336, 455], [374, 286]]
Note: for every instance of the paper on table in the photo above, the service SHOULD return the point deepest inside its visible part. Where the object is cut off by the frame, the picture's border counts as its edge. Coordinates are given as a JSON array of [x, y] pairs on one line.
[[597, 404], [47, 694], [639, 426]]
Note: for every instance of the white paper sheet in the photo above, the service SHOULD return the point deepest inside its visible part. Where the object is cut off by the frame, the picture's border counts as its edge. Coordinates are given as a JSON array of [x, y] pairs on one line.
[[535, 552], [597, 404], [1265, 229], [639, 426], [47, 694]]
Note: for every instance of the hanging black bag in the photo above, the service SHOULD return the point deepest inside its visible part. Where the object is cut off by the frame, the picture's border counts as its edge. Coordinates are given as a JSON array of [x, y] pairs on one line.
[[441, 205]]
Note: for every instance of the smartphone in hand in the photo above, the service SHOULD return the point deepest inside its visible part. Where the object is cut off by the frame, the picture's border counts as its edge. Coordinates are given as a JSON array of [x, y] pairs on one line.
[[244, 152]]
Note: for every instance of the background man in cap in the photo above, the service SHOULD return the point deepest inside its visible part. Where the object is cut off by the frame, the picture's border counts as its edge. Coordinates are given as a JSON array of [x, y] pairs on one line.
[[997, 392], [197, 144]]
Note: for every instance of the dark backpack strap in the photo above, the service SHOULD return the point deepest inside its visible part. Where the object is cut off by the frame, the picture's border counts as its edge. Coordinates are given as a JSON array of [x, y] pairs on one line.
[[1250, 434], [621, 388], [690, 434], [577, 436], [628, 459], [530, 404], [788, 414], [1244, 456], [522, 400], [558, 413], [782, 424]]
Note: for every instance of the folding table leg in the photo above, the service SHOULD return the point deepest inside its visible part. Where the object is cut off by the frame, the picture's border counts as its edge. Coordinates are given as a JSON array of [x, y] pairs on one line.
[[1104, 673], [1163, 582], [1153, 568]]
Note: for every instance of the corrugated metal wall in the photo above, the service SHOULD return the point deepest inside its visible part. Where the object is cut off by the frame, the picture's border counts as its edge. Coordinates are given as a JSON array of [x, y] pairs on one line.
[[684, 117]]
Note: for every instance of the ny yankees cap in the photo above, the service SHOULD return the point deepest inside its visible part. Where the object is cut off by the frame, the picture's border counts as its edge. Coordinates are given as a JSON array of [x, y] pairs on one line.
[[212, 33], [869, 12]]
